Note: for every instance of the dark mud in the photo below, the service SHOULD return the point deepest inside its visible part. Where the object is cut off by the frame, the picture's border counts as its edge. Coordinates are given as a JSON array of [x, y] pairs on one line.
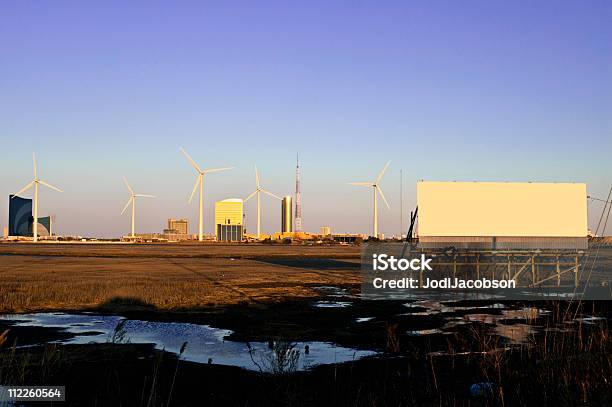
[[428, 353]]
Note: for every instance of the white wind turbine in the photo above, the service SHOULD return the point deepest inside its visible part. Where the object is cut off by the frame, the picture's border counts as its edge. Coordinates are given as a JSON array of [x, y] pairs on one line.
[[35, 183], [132, 201], [375, 185], [200, 182], [256, 192]]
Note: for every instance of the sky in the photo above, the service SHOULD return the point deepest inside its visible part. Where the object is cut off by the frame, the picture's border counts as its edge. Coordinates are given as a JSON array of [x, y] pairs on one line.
[[446, 90]]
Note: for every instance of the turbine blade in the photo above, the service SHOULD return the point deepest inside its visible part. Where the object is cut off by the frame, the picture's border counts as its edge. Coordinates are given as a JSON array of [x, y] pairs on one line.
[[256, 177], [127, 204], [361, 184], [383, 197], [145, 196], [208, 170], [127, 184], [34, 161], [195, 187], [50, 186], [250, 196], [271, 194], [24, 189], [382, 172], [191, 161]]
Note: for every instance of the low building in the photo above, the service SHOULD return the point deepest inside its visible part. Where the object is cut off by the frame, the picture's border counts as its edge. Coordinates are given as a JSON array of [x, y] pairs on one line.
[[180, 225], [144, 237], [174, 235], [349, 238]]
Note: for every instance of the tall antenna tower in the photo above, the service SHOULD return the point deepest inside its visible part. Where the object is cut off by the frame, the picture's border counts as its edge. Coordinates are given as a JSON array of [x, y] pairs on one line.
[[298, 201]]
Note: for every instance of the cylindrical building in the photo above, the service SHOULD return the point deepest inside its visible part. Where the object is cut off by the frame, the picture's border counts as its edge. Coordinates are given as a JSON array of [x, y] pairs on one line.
[[287, 214]]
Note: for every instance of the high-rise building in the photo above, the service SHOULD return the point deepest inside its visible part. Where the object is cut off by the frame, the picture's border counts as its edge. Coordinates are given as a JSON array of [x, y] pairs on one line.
[[325, 231], [287, 214], [20, 216], [228, 220], [44, 226], [21, 220], [180, 225], [298, 197]]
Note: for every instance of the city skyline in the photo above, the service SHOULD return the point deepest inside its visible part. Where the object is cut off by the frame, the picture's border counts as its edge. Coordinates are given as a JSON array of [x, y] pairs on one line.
[[593, 216], [487, 92]]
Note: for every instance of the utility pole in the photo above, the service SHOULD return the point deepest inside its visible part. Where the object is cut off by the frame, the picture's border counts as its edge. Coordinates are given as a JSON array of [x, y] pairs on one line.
[[401, 205], [298, 198]]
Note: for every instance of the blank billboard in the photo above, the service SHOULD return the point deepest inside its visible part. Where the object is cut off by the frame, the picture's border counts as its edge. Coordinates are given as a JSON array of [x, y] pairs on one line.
[[502, 209]]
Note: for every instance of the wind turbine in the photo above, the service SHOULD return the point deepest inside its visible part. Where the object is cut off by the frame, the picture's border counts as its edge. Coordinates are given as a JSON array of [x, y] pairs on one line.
[[256, 192], [375, 185], [35, 183], [132, 201], [200, 182]]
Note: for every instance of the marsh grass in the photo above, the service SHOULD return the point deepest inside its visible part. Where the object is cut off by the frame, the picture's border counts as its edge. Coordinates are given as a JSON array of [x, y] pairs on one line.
[[392, 335], [21, 367], [281, 359], [158, 277], [178, 359], [4, 336], [119, 334], [567, 362], [554, 367]]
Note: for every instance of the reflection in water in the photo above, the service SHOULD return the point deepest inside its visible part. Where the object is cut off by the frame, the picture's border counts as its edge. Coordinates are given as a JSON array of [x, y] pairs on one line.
[[437, 307], [205, 342], [332, 304], [515, 334], [427, 319], [589, 319], [422, 332], [515, 325], [337, 292]]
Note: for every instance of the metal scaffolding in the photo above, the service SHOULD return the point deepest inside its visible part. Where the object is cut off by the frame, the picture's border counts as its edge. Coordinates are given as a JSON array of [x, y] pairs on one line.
[[532, 268]]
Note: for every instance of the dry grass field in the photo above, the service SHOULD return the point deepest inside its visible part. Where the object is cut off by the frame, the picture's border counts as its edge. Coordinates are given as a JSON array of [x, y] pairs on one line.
[[166, 276]]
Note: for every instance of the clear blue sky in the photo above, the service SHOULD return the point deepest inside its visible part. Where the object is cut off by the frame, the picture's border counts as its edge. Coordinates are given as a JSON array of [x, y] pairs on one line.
[[469, 90]]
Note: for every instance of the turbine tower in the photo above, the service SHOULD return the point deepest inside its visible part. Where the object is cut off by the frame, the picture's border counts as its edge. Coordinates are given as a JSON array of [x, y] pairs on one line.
[[376, 187], [298, 198], [200, 182], [256, 192], [35, 183], [132, 201]]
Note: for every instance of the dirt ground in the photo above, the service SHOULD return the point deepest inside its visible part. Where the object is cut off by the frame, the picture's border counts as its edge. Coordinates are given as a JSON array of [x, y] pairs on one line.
[[166, 276]]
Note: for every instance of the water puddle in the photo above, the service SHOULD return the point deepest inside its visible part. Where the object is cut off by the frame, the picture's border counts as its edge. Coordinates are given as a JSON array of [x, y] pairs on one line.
[[591, 320], [423, 332], [332, 304], [468, 353], [437, 307], [204, 343], [515, 325], [332, 291]]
